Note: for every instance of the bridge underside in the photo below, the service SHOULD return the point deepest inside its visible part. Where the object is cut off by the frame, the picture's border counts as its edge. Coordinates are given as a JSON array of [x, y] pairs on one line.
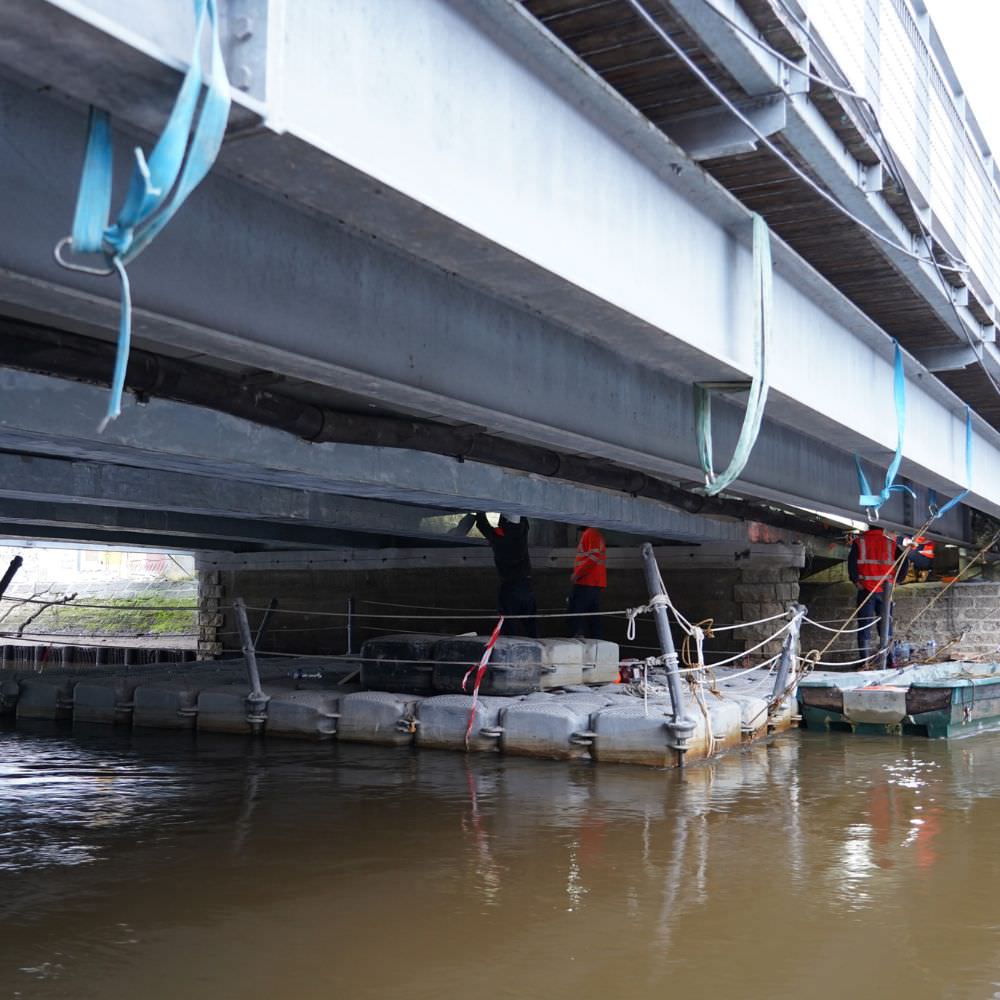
[[327, 271]]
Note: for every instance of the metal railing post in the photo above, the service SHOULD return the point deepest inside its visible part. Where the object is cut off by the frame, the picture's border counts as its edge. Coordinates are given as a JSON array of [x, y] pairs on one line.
[[680, 726], [784, 677], [256, 700]]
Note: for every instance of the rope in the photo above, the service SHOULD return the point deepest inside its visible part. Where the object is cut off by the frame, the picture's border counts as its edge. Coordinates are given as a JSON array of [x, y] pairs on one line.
[[457, 617], [951, 583], [754, 414], [774, 148], [844, 663], [843, 631], [739, 625], [815, 655]]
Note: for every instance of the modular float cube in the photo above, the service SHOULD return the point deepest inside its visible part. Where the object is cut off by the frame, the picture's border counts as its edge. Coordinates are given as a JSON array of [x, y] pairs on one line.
[[442, 722], [378, 717]]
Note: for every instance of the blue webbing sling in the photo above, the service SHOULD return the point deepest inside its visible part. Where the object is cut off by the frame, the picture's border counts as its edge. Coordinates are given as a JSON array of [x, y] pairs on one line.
[[158, 187], [873, 501]]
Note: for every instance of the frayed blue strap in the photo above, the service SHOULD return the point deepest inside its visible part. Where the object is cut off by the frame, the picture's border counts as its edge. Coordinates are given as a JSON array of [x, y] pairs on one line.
[[867, 498], [158, 187]]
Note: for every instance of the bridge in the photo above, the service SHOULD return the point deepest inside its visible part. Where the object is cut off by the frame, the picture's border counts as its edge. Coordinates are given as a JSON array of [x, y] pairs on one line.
[[477, 255]]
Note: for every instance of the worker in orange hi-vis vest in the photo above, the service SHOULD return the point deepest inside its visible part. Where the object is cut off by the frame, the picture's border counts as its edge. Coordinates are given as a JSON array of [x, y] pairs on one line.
[[590, 578], [869, 566]]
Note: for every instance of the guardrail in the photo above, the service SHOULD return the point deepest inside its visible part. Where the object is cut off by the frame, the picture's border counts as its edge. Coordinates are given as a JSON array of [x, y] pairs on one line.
[[891, 53]]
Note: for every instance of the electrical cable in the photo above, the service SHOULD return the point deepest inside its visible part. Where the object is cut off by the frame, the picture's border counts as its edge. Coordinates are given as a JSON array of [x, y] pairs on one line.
[[776, 150]]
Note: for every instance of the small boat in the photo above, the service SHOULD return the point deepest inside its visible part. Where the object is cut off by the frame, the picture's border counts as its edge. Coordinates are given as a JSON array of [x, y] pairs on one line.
[[938, 700]]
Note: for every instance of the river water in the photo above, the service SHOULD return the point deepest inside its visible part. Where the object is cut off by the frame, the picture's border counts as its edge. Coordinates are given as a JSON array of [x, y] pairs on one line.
[[151, 867]]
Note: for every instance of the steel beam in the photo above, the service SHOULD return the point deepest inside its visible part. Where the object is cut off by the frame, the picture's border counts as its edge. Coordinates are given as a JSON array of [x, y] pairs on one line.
[[29, 514], [55, 480], [46, 416], [717, 556], [948, 359], [90, 536], [715, 132]]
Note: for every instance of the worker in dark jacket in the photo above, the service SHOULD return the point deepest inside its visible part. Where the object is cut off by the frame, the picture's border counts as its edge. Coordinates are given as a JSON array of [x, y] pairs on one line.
[[869, 566], [516, 596]]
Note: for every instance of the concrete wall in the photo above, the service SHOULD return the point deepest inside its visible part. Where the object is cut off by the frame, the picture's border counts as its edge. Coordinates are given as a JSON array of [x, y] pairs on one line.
[[969, 613]]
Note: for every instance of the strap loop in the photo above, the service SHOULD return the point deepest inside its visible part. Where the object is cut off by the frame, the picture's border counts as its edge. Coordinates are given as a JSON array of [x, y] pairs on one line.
[[932, 507], [762, 279]]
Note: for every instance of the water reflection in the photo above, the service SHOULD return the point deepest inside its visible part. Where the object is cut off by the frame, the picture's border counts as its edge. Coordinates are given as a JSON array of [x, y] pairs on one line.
[[144, 864]]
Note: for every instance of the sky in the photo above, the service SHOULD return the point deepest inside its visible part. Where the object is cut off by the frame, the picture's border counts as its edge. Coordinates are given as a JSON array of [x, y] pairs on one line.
[[969, 30]]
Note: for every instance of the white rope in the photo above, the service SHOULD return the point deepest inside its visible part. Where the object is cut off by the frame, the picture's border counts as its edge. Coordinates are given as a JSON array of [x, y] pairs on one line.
[[742, 673], [462, 617], [841, 663], [759, 621], [699, 645], [746, 652], [845, 631]]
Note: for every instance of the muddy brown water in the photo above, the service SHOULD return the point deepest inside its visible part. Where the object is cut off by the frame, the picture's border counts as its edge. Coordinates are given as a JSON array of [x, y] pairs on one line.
[[146, 866]]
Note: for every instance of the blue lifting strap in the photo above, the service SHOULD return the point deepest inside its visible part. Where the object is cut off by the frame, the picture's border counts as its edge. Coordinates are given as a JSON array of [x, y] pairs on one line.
[[158, 187], [762, 280], [932, 507], [873, 501]]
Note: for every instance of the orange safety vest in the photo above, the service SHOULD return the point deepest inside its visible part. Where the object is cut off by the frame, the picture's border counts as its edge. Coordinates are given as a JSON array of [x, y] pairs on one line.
[[591, 566], [923, 547], [876, 554]]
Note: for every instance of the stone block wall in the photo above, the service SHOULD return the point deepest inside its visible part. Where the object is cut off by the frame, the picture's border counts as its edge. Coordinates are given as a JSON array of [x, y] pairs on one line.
[[966, 616], [210, 616], [404, 597], [762, 592]]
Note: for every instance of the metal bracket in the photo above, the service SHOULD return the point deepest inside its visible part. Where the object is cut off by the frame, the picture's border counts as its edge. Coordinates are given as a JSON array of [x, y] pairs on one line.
[[244, 45], [708, 135], [492, 732]]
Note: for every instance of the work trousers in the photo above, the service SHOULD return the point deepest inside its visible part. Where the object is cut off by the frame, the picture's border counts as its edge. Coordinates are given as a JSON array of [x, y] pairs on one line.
[[870, 634], [585, 601], [517, 597]]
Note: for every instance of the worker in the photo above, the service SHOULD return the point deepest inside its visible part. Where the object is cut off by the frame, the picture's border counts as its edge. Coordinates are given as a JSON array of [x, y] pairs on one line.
[[921, 555], [870, 566], [516, 596], [590, 579]]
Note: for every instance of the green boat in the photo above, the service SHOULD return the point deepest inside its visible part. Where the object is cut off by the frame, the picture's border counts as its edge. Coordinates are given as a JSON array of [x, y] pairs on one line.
[[938, 700]]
